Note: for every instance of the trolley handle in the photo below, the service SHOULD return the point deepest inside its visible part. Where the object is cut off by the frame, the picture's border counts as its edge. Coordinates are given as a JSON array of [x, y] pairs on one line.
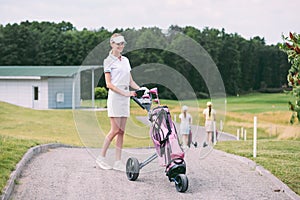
[[137, 101]]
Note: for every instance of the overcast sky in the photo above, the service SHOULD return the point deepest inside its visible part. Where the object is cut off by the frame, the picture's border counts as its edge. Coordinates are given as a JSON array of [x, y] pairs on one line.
[[248, 18]]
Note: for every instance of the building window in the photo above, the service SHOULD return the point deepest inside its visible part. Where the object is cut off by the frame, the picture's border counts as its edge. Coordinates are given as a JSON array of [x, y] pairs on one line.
[[36, 93]]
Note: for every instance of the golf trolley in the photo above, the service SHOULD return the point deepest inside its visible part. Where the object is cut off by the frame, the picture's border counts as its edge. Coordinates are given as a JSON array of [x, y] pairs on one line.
[[165, 139]]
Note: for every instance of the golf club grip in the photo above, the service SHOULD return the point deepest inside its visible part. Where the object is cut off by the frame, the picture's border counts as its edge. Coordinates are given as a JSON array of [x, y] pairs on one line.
[[137, 101]]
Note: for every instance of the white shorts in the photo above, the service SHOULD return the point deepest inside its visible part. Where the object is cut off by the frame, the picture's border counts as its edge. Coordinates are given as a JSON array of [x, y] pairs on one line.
[[209, 126], [185, 130]]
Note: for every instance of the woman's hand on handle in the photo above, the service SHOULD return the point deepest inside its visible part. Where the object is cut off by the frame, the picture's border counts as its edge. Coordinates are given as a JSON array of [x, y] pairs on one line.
[[146, 90], [131, 94]]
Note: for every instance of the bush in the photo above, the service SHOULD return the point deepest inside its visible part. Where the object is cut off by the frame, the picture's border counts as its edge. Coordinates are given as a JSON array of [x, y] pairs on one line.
[[100, 93], [292, 48], [271, 90]]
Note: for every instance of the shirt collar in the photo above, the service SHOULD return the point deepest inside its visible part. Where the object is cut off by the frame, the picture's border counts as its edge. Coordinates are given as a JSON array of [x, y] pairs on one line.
[[114, 57]]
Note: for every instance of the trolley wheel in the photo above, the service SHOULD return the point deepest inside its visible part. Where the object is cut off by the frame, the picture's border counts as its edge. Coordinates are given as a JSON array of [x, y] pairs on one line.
[[181, 183], [132, 169], [195, 144]]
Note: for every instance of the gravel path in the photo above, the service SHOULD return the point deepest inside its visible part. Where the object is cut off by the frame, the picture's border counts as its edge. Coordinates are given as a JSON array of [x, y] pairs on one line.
[[71, 173]]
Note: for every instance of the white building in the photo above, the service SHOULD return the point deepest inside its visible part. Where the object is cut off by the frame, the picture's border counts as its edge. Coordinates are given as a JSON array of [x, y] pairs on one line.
[[42, 87]]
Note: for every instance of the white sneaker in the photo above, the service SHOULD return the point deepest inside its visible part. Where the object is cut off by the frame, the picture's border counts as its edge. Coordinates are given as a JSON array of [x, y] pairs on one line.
[[102, 164], [119, 166]]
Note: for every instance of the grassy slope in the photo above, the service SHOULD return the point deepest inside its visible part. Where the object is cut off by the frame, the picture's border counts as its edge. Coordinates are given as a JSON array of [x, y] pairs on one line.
[[11, 152], [280, 157], [271, 111], [41, 125]]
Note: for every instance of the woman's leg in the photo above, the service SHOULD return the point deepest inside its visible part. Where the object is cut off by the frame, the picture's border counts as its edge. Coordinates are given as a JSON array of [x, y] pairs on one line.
[[120, 137], [185, 140], [114, 130], [209, 137]]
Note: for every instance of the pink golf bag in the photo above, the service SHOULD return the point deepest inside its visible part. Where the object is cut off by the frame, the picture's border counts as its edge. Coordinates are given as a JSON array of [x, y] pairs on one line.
[[165, 139]]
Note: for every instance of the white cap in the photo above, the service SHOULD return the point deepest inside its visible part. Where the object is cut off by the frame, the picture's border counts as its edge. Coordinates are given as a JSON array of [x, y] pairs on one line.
[[209, 103], [184, 108], [118, 39]]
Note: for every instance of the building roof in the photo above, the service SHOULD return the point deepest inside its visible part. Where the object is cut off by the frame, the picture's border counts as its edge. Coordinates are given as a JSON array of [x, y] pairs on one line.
[[42, 71]]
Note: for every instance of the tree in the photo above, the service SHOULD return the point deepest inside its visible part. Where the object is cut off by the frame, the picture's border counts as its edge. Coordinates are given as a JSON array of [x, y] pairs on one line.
[[230, 65], [292, 48], [248, 63]]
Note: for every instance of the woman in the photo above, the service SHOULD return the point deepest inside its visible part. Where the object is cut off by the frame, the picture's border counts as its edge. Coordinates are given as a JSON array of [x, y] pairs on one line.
[[210, 118], [185, 126], [118, 79]]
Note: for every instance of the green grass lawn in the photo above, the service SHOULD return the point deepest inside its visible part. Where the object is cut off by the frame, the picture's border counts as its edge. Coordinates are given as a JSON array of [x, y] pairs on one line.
[[45, 126], [258, 103], [22, 128], [11, 152], [281, 158]]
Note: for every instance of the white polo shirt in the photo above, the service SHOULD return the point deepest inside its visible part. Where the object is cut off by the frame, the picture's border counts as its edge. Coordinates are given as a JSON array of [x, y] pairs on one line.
[[119, 70]]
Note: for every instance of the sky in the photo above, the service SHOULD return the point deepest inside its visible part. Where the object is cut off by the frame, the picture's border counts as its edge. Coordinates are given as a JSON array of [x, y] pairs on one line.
[[268, 19]]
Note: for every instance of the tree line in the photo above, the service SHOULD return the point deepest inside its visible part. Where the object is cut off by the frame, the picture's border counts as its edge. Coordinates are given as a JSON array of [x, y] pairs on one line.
[[245, 65]]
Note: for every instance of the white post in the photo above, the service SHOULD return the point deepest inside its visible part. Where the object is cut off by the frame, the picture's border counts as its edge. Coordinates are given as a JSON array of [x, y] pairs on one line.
[[242, 132], [245, 135], [73, 90], [215, 133], [175, 117], [237, 134], [254, 137], [93, 88], [221, 125]]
